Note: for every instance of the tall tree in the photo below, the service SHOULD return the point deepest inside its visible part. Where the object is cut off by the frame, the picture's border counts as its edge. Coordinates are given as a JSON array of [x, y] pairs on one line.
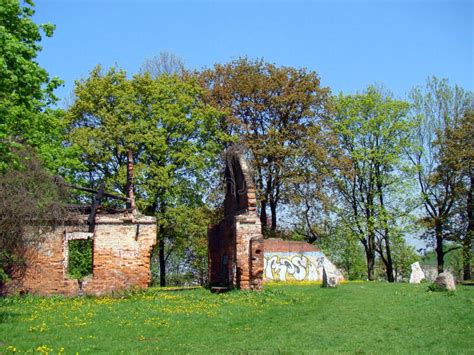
[[26, 89], [172, 134], [457, 155], [31, 136], [436, 107], [371, 128], [269, 109]]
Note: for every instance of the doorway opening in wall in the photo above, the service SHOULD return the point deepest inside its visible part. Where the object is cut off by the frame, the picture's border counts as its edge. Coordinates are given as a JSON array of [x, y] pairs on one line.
[[80, 258]]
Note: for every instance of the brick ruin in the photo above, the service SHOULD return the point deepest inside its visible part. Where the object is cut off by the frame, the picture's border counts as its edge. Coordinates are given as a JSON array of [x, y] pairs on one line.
[[235, 245], [121, 242], [122, 245]]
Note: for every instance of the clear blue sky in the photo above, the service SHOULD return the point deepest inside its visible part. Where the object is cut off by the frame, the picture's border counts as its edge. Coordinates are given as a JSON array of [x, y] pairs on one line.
[[351, 44]]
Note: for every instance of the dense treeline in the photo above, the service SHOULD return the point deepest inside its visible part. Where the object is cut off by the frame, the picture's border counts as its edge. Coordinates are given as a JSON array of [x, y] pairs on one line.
[[356, 174]]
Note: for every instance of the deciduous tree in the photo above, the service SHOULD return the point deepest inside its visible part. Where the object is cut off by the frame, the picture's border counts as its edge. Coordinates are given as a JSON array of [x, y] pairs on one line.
[[164, 63], [436, 108], [371, 128], [26, 90], [457, 155], [173, 135], [269, 109]]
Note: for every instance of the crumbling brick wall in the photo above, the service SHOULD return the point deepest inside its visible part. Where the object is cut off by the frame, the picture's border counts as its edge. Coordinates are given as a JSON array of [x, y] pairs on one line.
[[236, 243], [122, 244]]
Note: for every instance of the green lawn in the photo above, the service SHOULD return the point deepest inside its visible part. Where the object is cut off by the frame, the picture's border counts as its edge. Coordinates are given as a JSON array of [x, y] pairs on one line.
[[356, 317]]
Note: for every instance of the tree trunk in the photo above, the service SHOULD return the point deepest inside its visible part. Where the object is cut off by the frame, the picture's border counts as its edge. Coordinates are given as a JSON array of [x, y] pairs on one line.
[[129, 188], [273, 207], [389, 265], [388, 261], [439, 245], [370, 255], [467, 242], [370, 252], [161, 251], [369, 212], [263, 216], [370, 258]]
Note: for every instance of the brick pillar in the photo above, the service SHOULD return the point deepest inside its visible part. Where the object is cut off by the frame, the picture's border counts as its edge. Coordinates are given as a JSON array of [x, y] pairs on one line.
[[247, 226], [256, 263]]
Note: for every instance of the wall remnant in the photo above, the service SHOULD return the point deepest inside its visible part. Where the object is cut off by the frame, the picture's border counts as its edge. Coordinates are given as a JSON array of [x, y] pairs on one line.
[[296, 261], [122, 244], [236, 243]]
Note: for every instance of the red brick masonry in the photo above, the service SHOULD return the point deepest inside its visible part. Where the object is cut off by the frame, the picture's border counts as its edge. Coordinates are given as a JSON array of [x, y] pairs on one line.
[[276, 245], [236, 243], [122, 245]]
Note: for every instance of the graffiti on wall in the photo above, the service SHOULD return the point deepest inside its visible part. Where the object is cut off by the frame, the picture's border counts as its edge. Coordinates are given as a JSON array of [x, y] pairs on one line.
[[306, 266]]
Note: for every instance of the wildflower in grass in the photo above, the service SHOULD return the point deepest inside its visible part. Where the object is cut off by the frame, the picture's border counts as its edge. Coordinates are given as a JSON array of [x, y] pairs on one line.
[[43, 349], [39, 328], [12, 349]]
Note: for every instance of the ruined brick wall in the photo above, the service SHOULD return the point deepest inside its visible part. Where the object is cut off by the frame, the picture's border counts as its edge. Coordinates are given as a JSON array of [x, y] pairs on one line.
[[122, 246], [221, 251], [233, 262]]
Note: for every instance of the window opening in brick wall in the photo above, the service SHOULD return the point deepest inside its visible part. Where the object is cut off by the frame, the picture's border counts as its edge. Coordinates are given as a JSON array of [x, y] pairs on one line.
[[80, 258]]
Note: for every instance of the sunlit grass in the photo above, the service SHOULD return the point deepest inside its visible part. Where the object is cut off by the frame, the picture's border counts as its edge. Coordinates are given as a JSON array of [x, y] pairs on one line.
[[355, 317]]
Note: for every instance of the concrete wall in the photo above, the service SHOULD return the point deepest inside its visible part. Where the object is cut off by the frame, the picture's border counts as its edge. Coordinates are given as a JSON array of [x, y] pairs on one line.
[[295, 261], [122, 245]]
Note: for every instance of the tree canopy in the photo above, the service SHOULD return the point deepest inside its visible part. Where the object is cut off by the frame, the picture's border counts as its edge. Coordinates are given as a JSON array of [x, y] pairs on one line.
[[270, 109], [26, 90], [172, 134]]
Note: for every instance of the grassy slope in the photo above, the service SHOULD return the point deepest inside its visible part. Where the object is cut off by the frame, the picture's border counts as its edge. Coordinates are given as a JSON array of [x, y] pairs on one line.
[[357, 317]]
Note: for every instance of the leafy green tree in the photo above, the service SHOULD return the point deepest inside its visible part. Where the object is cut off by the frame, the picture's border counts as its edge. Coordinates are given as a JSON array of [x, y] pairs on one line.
[[457, 155], [371, 128], [343, 248], [403, 255], [186, 257], [26, 91], [28, 191], [436, 108], [173, 136], [269, 109], [453, 260]]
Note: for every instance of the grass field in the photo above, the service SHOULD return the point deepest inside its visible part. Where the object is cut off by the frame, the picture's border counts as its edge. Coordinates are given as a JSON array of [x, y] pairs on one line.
[[355, 317]]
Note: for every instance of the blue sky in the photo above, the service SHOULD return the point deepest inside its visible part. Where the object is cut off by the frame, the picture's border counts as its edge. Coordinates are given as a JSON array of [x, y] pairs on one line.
[[350, 44]]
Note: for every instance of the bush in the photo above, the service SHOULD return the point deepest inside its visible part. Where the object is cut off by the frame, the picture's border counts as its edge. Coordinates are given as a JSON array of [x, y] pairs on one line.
[[433, 287], [80, 258]]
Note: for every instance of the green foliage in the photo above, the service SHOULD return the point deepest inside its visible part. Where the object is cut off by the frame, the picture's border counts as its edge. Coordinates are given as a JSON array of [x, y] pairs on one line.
[[403, 256], [342, 247], [26, 91], [271, 110], [350, 319], [438, 108], [80, 258], [186, 248], [433, 287], [457, 158], [373, 131], [453, 260], [173, 135]]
